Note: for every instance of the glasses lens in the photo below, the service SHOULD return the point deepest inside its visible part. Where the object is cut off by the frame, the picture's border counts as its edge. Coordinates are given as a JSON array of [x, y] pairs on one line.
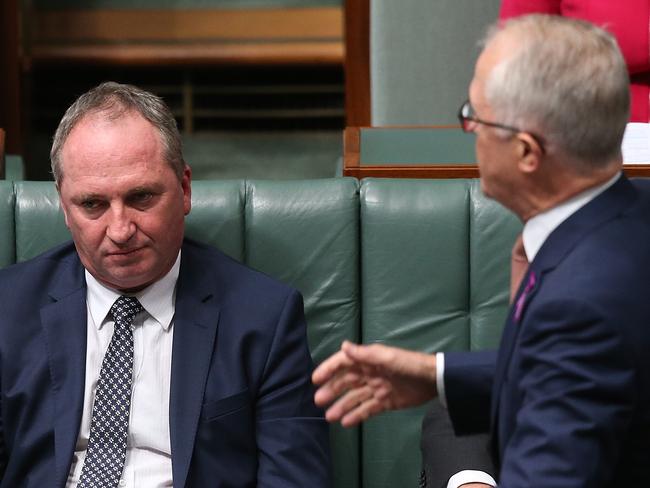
[[467, 110]]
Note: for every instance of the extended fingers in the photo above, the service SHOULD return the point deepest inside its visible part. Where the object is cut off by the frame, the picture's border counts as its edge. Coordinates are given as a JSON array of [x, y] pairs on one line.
[[330, 367], [356, 406], [370, 355], [336, 386], [351, 355], [363, 412]]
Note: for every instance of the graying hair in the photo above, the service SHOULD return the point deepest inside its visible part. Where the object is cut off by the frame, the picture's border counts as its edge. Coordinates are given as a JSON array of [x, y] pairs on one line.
[[566, 81], [115, 100]]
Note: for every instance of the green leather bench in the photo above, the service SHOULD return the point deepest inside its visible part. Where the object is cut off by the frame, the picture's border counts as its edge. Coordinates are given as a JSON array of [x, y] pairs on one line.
[[422, 264]]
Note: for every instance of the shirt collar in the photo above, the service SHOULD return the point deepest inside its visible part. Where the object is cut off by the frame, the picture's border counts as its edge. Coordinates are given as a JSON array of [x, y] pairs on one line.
[[537, 229], [158, 299]]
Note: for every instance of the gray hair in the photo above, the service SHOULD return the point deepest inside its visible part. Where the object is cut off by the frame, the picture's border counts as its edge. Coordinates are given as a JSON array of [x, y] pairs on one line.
[[116, 100], [566, 81]]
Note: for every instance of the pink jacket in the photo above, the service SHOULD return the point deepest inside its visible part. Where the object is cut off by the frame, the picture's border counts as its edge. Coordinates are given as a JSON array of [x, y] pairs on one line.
[[628, 20]]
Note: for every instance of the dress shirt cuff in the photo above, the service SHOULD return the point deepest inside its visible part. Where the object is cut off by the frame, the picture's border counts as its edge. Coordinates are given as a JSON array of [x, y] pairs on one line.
[[440, 378], [470, 476]]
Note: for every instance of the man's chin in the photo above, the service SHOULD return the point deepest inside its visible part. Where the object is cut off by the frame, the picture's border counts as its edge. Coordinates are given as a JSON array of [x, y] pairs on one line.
[[485, 189], [127, 280], [131, 286]]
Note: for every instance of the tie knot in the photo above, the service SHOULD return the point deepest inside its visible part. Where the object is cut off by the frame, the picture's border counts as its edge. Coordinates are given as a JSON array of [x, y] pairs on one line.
[[518, 250], [518, 266], [125, 309]]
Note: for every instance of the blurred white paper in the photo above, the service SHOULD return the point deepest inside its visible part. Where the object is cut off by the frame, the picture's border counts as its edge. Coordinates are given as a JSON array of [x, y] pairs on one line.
[[636, 143]]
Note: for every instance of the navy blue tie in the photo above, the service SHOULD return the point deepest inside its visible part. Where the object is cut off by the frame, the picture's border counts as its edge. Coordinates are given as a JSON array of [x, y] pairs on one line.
[[110, 419]]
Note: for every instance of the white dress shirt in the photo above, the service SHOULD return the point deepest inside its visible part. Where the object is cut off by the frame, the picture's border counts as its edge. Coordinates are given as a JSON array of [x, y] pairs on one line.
[[148, 454], [535, 232]]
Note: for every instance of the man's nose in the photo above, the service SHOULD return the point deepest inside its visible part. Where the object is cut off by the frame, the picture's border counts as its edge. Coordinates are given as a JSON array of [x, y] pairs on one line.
[[471, 125], [121, 227]]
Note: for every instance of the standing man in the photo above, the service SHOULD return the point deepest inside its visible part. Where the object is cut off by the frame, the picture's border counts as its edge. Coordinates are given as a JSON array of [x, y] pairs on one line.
[[567, 395], [133, 357]]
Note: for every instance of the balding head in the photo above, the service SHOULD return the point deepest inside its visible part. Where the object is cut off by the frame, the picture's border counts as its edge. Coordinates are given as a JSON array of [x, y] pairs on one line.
[[114, 101], [564, 79]]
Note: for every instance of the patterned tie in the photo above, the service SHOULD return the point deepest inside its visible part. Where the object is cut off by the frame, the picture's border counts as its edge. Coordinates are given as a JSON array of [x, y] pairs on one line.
[[518, 266], [110, 420]]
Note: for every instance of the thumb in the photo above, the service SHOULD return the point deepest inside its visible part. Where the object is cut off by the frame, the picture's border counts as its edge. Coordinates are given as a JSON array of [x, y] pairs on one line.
[[371, 355]]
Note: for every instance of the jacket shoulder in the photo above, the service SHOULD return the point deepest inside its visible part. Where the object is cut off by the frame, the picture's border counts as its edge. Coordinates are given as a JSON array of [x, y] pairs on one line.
[[199, 258], [39, 273]]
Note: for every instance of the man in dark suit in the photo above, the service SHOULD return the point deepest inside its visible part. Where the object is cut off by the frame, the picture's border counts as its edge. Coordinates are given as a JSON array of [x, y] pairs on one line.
[[133, 357], [567, 395]]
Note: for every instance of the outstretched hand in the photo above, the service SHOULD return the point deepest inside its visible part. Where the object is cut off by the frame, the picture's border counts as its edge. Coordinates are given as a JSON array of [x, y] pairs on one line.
[[360, 381]]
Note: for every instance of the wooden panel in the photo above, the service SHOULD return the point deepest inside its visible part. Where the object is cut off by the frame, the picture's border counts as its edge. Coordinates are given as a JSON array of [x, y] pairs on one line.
[[634, 170], [351, 149], [352, 165], [290, 53], [357, 62], [422, 171], [179, 4], [296, 36], [74, 26]]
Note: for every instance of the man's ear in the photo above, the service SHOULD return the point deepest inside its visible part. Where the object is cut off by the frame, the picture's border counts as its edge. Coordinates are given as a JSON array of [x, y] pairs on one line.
[[530, 152], [186, 185]]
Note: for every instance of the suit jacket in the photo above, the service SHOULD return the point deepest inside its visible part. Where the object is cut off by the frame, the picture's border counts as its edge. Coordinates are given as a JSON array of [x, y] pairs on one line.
[[627, 20], [241, 412], [569, 389]]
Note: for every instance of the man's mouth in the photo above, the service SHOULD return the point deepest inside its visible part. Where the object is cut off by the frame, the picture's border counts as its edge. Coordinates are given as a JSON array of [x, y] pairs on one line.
[[124, 252]]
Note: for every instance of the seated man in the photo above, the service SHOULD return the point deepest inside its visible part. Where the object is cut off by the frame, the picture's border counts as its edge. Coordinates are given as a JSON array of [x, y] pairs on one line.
[[566, 397], [135, 357]]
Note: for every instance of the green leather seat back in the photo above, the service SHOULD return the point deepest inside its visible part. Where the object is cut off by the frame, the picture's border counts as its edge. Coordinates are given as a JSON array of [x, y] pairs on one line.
[[406, 249], [429, 247], [430, 256], [39, 220], [217, 216], [305, 233], [493, 230], [7, 236]]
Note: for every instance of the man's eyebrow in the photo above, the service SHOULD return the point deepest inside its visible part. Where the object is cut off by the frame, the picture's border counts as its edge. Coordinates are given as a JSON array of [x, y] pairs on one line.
[[87, 196], [148, 188]]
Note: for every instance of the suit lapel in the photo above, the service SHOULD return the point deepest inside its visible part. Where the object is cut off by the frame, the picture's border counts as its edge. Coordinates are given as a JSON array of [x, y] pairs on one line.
[[559, 243], [64, 323], [195, 326], [508, 341]]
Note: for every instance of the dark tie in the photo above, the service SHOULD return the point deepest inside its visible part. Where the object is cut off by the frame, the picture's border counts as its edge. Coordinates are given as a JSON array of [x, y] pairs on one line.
[[518, 266], [110, 419]]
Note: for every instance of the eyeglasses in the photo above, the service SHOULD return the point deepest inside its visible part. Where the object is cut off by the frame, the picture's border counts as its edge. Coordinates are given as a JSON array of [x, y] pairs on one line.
[[467, 117]]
